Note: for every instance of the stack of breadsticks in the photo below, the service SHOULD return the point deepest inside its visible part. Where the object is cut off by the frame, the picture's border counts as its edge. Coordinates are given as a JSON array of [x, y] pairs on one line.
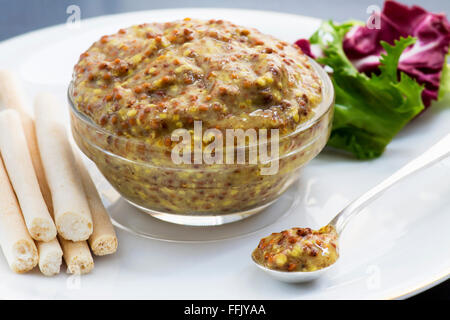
[[49, 206]]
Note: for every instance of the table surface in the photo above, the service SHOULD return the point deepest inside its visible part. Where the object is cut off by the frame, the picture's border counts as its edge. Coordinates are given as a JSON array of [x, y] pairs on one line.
[[20, 16]]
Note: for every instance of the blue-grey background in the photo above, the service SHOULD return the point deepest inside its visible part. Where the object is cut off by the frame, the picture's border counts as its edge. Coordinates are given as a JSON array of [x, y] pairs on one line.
[[20, 16]]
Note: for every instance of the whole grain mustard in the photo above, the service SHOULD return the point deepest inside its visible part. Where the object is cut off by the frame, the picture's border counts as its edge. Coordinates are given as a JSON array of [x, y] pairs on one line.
[[154, 77], [143, 82], [298, 249]]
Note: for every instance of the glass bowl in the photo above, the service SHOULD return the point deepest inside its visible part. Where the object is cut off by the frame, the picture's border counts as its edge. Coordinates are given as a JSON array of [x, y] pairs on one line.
[[201, 194]]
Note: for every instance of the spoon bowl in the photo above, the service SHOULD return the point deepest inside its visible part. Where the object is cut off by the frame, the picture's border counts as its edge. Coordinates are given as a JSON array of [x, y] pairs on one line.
[[295, 276]]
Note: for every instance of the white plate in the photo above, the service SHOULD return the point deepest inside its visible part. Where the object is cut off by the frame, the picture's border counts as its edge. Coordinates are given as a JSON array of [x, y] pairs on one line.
[[398, 246]]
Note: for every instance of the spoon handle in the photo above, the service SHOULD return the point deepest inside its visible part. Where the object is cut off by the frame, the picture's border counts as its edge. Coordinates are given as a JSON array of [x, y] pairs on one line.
[[437, 152]]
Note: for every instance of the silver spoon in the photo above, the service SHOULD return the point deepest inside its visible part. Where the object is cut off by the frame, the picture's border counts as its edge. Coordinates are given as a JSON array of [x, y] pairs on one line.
[[434, 154]]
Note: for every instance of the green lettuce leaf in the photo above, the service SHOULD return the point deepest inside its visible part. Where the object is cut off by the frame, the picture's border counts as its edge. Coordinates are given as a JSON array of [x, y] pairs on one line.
[[369, 110], [444, 86]]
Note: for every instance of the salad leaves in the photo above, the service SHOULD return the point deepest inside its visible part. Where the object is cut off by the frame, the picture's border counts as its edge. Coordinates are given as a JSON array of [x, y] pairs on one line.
[[444, 87], [369, 110], [383, 78], [423, 61]]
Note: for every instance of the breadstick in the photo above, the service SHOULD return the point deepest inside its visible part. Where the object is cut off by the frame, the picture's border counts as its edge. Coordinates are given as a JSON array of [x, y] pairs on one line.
[[16, 157], [10, 91], [12, 97], [50, 257], [18, 247], [71, 209], [103, 240], [77, 256]]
